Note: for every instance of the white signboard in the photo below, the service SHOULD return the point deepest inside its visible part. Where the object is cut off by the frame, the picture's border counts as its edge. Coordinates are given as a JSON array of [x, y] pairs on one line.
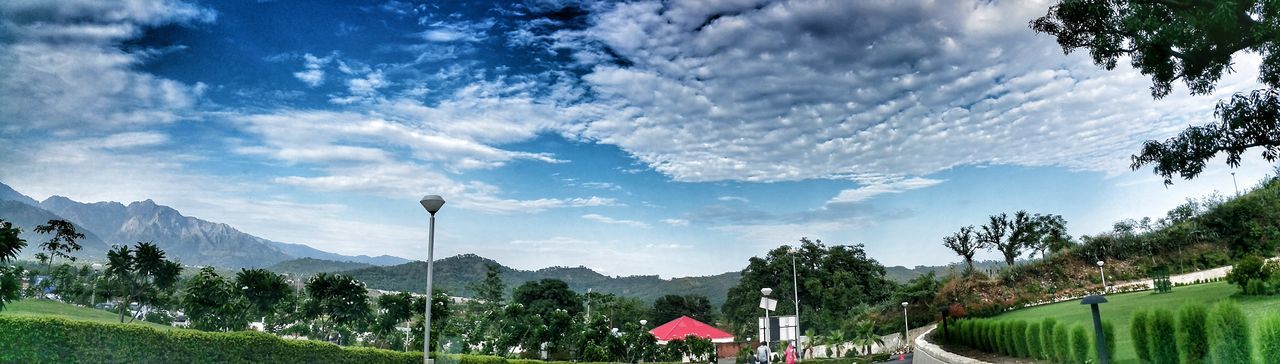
[[768, 303], [787, 328]]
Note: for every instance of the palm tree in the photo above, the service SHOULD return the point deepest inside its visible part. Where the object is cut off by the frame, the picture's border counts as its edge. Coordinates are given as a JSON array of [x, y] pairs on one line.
[[263, 289], [864, 335], [836, 339], [10, 242]]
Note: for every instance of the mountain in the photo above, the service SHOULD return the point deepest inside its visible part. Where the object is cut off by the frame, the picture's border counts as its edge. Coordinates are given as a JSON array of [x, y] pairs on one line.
[[310, 266], [188, 239], [303, 251], [28, 217], [454, 274], [902, 274]]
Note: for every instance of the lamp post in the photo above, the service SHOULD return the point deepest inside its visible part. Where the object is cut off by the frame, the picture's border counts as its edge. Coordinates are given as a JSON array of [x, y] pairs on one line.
[[1093, 302], [588, 305], [1233, 183], [796, 290], [1104, 276], [765, 293], [432, 203], [905, 327]]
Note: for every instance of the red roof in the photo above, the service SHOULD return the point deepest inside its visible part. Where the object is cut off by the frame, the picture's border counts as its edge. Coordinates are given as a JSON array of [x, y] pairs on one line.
[[685, 326]]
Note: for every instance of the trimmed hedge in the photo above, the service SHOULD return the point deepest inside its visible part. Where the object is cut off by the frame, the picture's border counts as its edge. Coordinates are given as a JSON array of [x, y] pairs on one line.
[[1164, 341], [55, 340], [1046, 338], [1062, 344], [1269, 337], [1193, 335], [1229, 333], [1034, 350], [1019, 334], [1138, 332], [1079, 345], [1109, 334]]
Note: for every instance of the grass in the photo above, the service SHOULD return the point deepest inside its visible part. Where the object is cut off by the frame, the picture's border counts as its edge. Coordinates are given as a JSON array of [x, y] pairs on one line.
[[1120, 308], [47, 308]]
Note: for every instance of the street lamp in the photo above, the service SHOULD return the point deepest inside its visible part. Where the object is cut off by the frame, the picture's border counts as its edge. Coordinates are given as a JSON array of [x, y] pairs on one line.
[[1233, 182], [905, 326], [796, 290], [1104, 276], [432, 203], [765, 292], [588, 305]]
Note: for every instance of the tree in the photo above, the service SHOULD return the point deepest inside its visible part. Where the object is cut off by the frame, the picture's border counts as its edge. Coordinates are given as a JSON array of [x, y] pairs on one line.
[[10, 245], [262, 289], [1051, 234], [671, 307], [1191, 41], [62, 244], [338, 302], [865, 336], [966, 245], [210, 303], [142, 275], [993, 236], [551, 306], [441, 310]]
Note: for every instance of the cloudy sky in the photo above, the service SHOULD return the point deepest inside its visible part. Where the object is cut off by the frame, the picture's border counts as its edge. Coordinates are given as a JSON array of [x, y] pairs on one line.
[[648, 137]]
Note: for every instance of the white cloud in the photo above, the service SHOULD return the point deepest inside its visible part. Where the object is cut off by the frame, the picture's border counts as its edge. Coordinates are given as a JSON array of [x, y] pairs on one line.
[[610, 220], [313, 72], [676, 222], [733, 198], [874, 189]]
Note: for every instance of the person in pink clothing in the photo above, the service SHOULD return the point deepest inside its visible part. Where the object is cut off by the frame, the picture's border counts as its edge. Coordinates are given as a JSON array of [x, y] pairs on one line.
[[790, 354]]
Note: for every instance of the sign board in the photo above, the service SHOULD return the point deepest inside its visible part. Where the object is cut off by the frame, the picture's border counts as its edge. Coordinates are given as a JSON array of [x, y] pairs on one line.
[[779, 328], [768, 303]]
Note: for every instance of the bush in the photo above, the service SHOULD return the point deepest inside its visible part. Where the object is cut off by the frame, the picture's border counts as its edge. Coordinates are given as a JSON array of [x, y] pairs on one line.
[[1269, 337], [1061, 344], [1193, 337], [1256, 288], [1138, 332], [1247, 269], [1006, 339], [1164, 341], [1229, 334], [1109, 334], [1046, 338], [54, 340], [1079, 345], [1018, 333], [1034, 349]]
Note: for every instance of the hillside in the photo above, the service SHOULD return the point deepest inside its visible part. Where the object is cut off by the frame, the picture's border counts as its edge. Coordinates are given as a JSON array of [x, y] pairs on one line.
[[310, 266], [453, 274], [28, 217]]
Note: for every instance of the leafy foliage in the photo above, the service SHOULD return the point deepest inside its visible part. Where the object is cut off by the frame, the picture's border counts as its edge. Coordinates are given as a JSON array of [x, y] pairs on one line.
[[1193, 335], [141, 275], [1138, 327], [1229, 335], [1079, 345], [1109, 340], [1163, 341], [211, 303], [1269, 337], [671, 307]]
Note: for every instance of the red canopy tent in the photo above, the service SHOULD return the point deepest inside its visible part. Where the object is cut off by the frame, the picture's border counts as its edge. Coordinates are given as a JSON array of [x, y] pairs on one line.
[[685, 326]]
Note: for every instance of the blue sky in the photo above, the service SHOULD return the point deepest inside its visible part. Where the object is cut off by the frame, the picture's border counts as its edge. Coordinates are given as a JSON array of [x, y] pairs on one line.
[[673, 138]]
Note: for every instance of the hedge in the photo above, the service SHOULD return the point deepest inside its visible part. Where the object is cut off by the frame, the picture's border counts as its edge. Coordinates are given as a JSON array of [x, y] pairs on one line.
[[1046, 338], [1229, 340], [1018, 331], [1269, 337], [55, 340], [1034, 349], [1062, 344], [1138, 332], [1193, 335], [1079, 345], [1109, 333], [1164, 341]]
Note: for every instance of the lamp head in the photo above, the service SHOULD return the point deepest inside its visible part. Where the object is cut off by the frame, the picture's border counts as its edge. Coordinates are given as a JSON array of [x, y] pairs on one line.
[[644, 322], [432, 203], [904, 304], [766, 291], [1100, 263]]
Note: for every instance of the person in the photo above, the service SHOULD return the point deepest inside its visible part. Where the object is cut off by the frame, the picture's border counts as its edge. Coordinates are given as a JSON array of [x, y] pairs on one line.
[[762, 353], [790, 354]]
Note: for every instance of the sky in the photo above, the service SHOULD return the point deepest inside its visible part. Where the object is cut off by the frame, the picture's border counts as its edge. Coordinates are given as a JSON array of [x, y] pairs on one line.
[[672, 138]]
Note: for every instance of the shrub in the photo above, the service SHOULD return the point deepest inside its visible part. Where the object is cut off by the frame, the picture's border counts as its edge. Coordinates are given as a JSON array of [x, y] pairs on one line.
[[1193, 337], [1018, 332], [1138, 332], [1061, 343], [1034, 349], [1269, 337], [53, 340], [1255, 287], [1005, 341], [1109, 336], [1079, 345], [1229, 334], [1163, 332], [1046, 338], [1246, 269]]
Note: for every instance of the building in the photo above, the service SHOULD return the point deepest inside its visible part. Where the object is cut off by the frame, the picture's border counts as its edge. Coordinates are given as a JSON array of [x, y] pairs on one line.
[[685, 326]]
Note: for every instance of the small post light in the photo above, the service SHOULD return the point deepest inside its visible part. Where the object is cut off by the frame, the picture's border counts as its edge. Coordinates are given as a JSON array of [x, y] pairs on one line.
[[1093, 302]]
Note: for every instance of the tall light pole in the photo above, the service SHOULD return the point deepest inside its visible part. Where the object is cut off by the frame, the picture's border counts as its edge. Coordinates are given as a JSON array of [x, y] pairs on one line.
[[906, 327], [1104, 276], [796, 289], [1233, 183], [588, 305], [765, 292], [432, 203]]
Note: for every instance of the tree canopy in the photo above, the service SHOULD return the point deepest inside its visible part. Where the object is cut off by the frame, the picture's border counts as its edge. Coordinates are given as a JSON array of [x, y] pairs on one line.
[[671, 307], [1191, 41]]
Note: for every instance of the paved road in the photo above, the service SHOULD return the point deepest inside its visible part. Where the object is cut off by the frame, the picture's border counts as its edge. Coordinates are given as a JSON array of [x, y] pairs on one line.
[[896, 361]]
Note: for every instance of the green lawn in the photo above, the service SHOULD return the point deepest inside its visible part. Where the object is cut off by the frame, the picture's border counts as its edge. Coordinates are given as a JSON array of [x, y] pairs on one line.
[[1120, 309], [47, 308]]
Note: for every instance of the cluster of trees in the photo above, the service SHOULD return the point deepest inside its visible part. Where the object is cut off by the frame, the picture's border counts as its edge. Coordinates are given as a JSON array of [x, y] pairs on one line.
[[1012, 237], [1255, 276]]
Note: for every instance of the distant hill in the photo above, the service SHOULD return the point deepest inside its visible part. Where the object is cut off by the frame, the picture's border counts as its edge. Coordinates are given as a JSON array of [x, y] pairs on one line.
[[902, 274], [310, 266], [188, 239], [454, 274], [28, 217]]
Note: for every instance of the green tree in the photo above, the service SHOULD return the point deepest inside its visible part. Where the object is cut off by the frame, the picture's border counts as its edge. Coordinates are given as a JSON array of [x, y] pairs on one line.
[[1109, 333], [671, 307], [1190, 41], [864, 335], [62, 244], [141, 275], [1163, 330], [209, 302], [1138, 327], [1193, 334], [1047, 338], [10, 277], [1249, 268], [1079, 345], [441, 311], [1229, 335], [337, 303], [993, 235], [263, 290], [965, 244]]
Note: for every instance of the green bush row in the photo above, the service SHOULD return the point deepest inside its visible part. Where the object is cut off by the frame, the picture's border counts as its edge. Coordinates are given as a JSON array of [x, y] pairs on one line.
[[54, 340], [1044, 340]]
